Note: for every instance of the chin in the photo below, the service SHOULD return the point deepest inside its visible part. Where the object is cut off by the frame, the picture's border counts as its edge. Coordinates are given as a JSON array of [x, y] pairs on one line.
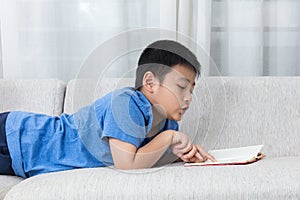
[[176, 118]]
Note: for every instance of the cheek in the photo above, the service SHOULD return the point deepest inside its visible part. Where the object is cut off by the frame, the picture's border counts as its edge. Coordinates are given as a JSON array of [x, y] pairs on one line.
[[169, 97], [173, 99]]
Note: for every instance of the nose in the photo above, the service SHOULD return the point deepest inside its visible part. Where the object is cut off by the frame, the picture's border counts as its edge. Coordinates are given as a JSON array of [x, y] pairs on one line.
[[187, 98]]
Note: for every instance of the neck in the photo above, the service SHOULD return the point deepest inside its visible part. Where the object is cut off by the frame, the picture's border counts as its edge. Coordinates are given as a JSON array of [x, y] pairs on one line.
[[158, 112], [158, 115]]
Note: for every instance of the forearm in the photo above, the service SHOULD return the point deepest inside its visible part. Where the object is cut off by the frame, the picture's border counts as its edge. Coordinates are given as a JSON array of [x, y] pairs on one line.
[[149, 154], [126, 156]]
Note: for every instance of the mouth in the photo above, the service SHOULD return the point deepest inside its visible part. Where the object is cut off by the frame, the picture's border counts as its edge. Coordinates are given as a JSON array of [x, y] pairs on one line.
[[183, 110]]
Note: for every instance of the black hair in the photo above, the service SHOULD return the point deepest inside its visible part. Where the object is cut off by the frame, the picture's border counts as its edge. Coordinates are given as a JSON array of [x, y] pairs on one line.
[[159, 58]]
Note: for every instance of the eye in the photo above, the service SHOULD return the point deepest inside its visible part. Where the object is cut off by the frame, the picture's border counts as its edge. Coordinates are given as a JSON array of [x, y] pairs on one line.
[[181, 87]]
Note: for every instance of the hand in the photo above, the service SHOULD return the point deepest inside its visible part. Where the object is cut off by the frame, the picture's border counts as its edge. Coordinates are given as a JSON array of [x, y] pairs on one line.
[[197, 154], [181, 144]]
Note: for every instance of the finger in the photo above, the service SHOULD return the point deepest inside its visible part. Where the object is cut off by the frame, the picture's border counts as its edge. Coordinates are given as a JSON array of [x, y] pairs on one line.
[[199, 157], [191, 153], [189, 146], [194, 155], [210, 157], [204, 154], [194, 159], [201, 150], [184, 159]]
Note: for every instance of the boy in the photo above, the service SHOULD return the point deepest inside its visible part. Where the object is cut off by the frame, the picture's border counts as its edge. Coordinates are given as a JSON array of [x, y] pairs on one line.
[[130, 128]]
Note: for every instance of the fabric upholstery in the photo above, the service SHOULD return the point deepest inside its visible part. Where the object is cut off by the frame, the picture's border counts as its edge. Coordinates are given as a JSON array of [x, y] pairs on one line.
[[6, 183], [225, 112], [267, 179], [42, 96], [235, 112], [82, 92]]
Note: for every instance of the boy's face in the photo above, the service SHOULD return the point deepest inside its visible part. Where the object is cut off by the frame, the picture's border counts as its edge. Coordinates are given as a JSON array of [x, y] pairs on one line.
[[174, 95]]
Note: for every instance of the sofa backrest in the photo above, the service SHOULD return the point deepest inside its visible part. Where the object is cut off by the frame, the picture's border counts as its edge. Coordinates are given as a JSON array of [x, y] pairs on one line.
[[226, 111], [82, 92], [242, 111], [37, 95]]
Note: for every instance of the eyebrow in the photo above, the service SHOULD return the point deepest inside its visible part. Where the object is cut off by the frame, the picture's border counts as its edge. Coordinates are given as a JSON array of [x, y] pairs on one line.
[[186, 79]]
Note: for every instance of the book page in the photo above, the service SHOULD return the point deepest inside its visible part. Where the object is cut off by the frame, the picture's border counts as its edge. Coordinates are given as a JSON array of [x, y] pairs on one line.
[[233, 155]]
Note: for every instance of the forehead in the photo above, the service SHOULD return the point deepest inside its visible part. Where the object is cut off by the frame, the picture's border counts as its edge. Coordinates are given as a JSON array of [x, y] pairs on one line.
[[182, 73]]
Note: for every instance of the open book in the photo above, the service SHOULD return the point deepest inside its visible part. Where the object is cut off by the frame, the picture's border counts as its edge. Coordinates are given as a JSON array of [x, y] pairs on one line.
[[233, 156]]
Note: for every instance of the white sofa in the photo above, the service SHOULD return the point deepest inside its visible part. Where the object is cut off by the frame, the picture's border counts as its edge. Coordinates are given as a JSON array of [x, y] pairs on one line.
[[226, 112], [43, 96]]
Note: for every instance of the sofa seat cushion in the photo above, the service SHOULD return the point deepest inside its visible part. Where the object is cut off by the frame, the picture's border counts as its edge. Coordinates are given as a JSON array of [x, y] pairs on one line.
[[6, 183], [270, 178]]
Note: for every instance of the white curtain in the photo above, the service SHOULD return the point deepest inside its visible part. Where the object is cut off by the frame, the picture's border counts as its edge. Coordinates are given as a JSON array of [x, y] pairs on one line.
[[245, 38], [51, 39], [260, 37], [194, 21]]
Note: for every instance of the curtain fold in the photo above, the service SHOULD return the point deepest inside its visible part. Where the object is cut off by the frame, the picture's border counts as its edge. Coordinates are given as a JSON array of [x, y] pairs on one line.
[[244, 38], [256, 38], [51, 39], [194, 22]]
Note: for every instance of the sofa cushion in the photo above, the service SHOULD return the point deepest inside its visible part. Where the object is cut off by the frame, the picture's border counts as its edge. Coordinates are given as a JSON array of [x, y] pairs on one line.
[[242, 111], [6, 183], [265, 179], [82, 92], [36, 95]]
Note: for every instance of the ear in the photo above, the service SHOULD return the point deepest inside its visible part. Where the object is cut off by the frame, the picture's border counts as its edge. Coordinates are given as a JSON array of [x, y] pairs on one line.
[[149, 81]]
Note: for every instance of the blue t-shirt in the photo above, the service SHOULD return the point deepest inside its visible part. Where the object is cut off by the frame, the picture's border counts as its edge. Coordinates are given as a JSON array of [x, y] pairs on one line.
[[40, 143]]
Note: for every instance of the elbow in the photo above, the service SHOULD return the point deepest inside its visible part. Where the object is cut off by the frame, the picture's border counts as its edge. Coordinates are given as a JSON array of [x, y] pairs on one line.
[[124, 167], [128, 167]]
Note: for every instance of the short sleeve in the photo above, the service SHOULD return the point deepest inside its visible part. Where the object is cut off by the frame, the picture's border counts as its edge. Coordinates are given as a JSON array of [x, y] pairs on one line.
[[125, 119]]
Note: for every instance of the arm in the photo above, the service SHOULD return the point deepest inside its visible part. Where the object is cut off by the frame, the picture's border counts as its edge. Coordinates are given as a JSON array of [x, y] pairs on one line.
[[127, 156]]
